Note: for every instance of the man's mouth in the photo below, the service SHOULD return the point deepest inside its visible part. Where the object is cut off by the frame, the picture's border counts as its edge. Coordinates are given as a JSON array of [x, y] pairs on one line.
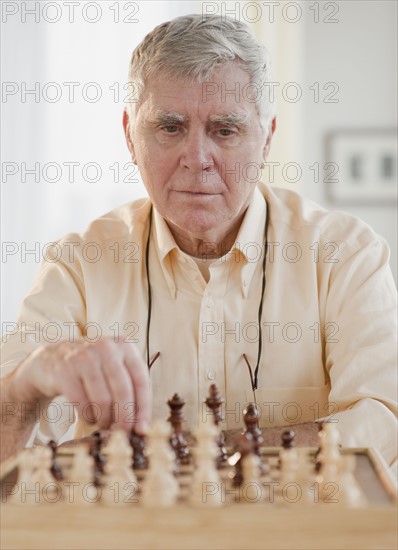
[[198, 193]]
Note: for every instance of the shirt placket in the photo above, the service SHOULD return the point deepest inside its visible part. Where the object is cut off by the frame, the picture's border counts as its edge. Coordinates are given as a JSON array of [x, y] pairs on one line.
[[210, 341]]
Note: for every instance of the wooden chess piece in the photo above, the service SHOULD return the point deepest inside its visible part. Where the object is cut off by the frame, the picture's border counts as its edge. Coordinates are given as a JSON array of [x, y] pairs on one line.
[[82, 474], [140, 459], [55, 467], [289, 465], [251, 418], [35, 479], [329, 456], [95, 447], [161, 488], [318, 457], [288, 439], [287, 442], [118, 472], [27, 464], [251, 489], [305, 477], [243, 446], [177, 439], [214, 403], [206, 489], [42, 457]]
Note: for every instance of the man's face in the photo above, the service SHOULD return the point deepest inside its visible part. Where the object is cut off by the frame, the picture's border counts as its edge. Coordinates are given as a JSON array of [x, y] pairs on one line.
[[199, 148]]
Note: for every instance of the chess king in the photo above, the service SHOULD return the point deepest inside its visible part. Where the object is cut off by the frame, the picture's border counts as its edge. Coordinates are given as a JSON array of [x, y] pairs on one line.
[[217, 277]]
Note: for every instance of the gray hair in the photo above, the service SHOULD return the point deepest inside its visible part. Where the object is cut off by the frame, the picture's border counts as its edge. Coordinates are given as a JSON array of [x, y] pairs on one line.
[[191, 47]]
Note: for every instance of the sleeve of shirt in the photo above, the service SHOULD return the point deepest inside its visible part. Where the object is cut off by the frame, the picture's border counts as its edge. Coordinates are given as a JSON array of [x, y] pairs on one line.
[[360, 357], [53, 310]]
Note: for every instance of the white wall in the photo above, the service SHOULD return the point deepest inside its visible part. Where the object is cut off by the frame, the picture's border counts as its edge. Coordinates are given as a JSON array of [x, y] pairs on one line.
[[37, 130], [358, 52], [350, 47]]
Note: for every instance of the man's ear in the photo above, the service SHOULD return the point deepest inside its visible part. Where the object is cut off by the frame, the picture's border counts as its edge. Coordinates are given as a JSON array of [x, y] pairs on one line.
[[267, 145], [127, 133]]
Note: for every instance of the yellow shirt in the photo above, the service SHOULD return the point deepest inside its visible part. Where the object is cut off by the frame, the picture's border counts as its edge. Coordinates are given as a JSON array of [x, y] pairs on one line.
[[329, 312]]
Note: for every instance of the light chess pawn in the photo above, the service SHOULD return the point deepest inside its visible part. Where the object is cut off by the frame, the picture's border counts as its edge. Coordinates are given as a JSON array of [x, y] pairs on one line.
[[251, 490], [82, 473], [161, 487], [120, 482], [206, 484]]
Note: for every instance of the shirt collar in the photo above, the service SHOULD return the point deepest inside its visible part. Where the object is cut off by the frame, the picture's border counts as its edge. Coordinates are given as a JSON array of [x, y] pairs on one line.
[[164, 238], [249, 244], [164, 243], [250, 240]]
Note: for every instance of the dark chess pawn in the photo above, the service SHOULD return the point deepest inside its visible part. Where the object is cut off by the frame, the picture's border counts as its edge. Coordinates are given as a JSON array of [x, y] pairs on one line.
[[95, 447], [55, 467], [214, 402], [140, 459], [251, 418], [243, 447], [288, 441], [318, 463], [177, 439]]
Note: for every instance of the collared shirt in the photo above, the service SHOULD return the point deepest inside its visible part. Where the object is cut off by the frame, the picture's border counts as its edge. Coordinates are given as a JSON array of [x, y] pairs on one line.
[[328, 321]]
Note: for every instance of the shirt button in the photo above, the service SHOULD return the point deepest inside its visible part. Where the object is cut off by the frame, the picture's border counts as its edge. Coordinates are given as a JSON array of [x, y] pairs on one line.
[[211, 375], [210, 302]]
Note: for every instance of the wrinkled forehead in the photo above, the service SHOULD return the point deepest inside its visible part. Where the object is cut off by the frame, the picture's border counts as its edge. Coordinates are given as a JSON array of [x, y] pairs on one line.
[[225, 92]]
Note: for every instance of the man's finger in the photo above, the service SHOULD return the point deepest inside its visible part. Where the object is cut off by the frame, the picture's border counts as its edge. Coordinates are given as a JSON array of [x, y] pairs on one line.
[[121, 387], [142, 392], [98, 393]]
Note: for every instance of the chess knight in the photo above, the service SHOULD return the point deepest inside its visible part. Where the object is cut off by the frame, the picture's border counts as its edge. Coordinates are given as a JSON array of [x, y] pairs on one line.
[[216, 277]]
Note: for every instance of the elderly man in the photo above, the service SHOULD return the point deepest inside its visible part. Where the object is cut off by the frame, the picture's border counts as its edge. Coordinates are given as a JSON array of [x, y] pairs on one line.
[[216, 278]]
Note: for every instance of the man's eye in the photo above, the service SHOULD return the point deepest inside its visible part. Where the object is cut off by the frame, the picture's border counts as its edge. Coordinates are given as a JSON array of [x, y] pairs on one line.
[[225, 132], [170, 129]]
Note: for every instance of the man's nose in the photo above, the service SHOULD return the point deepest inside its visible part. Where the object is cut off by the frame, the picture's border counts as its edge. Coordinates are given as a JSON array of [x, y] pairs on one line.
[[197, 151]]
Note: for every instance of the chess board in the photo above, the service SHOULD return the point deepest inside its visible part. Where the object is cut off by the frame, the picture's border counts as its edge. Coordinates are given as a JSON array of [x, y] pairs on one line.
[[271, 518]]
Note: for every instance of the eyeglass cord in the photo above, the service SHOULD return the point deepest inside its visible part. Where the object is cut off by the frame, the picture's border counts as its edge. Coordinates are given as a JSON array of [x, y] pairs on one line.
[[254, 380]]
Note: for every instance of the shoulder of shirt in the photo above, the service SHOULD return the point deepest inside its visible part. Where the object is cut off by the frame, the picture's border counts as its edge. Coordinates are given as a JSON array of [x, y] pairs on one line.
[[122, 223], [296, 212]]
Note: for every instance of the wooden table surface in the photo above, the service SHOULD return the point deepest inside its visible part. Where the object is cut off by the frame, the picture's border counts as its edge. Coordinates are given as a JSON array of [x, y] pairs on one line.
[[239, 525], [251, 526]]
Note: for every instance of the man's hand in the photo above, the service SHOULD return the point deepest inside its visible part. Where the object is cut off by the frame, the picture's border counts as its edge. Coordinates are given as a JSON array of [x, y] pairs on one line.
[[110, 376]]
